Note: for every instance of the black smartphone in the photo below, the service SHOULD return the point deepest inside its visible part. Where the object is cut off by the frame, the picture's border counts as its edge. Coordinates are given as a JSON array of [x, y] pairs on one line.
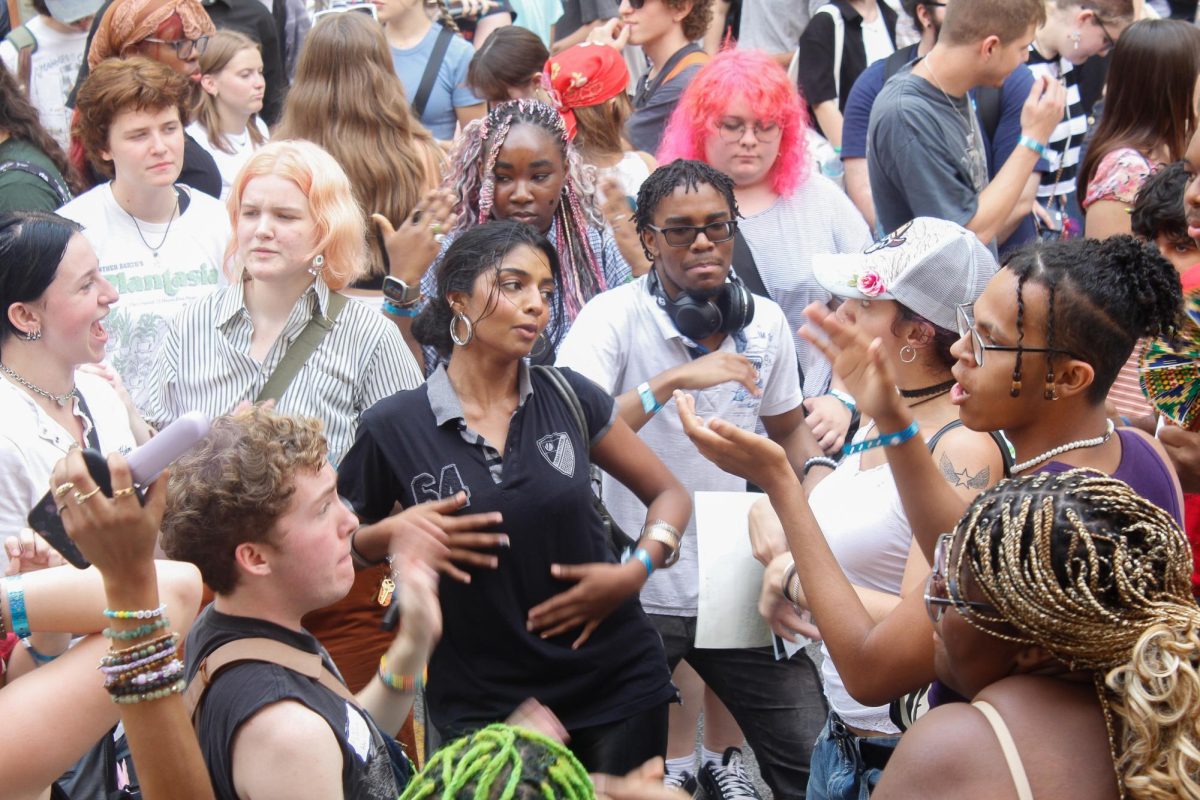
[[45, 519]]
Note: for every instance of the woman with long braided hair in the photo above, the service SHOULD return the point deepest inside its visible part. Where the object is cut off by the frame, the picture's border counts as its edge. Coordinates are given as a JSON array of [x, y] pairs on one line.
[[517, 163], [1063, 607]]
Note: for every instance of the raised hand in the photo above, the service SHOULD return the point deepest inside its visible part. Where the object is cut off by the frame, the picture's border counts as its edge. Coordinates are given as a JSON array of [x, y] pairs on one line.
[[413, 247], [747, 455], [713, 369]]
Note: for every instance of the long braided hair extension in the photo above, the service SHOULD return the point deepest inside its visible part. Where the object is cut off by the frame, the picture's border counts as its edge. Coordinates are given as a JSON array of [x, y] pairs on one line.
[[471, 177], [502, 762], [1081, 565]]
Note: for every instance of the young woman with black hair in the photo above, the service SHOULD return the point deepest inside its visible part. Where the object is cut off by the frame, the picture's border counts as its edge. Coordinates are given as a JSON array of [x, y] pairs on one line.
[[553, 615], [1037, 354]]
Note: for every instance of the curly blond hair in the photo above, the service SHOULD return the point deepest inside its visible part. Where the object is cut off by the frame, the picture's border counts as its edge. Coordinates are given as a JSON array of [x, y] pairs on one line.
[[234, 486], [1100, 577]]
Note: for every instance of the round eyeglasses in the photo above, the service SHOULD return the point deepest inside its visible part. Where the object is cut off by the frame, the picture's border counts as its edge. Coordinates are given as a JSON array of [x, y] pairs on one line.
[[731, 130], [186, 49]]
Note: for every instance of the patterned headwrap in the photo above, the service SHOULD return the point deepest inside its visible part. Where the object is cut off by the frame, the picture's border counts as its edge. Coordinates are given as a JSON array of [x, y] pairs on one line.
[[128, 22], [585, 75]]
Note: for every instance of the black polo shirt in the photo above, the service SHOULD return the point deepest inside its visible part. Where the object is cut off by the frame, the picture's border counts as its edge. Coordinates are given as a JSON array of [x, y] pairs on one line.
[[414, 447]]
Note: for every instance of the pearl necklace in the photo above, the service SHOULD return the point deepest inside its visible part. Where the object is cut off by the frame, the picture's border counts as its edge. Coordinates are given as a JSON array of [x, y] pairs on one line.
[[61, 399], [1062, 448]]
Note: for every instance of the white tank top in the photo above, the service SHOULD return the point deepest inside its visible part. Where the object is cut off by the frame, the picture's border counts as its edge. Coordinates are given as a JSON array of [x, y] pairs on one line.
[[864, 522]]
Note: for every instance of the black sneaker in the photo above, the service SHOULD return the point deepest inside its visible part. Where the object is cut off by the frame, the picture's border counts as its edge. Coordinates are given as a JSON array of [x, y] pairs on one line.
[[728, 781], [683, 780]]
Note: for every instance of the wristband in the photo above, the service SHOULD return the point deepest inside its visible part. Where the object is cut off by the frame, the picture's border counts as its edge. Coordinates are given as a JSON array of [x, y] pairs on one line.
[[788, 574], [846, 399], [400, 683], [887, 440], [16, 607], [650, 403], [1034, 145], [38, 658], [399, 311], [818, 461], [643, 556]]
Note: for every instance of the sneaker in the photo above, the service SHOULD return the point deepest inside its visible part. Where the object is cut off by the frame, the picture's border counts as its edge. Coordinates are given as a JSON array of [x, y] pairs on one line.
[[682, 780], [728, 781]]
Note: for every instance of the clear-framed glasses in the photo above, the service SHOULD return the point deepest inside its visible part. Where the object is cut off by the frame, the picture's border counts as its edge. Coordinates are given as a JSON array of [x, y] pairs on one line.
[[966, 325], [731, 130], [184, 48], [941, 592], [685, 235], [341, 8]]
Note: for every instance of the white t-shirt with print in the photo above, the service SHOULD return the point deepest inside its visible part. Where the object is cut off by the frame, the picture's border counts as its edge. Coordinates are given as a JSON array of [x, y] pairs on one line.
[[53, 67], [622, 338], [153, 289], [229, 164]]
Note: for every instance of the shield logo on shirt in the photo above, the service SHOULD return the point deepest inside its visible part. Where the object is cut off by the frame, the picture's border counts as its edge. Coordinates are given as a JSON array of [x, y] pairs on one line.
[[558, 451]]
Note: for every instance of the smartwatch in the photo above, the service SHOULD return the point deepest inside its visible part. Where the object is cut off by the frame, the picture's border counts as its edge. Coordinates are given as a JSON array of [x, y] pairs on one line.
[[400, 292]]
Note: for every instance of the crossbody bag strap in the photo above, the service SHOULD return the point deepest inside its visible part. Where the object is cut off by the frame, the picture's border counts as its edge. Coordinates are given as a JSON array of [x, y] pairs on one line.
[[745, 268], [319, 325], [425, 89], [568, 395], [310, 665]]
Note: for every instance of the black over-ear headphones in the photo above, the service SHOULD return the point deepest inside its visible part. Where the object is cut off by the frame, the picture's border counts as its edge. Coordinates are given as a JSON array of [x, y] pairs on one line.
[[700, 317]]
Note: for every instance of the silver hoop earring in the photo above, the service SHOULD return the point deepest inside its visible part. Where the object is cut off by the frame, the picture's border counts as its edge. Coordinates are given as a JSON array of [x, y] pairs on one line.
[[318, 264], [33, 336], [465, 340], [908, 354]]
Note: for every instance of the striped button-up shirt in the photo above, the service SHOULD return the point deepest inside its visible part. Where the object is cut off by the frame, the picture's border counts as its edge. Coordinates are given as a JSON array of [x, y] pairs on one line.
[[204, 364]]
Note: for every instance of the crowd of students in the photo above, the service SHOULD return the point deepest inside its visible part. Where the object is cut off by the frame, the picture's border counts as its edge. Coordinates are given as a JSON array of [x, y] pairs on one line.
[[477, 305]]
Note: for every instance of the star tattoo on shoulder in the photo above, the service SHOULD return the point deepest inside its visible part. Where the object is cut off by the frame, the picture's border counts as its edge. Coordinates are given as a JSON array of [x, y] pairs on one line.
[[965, 479]]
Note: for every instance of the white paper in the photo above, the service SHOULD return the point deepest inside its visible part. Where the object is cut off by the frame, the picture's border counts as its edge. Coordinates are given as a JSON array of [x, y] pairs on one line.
[[730, 577]]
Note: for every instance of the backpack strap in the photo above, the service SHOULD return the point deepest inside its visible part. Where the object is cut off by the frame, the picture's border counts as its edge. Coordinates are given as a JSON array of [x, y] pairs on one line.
[[55, 183], [26, 45], [897, 61], [685, 62], [310, 665], [305, 344], [440, 46], [839, 42]]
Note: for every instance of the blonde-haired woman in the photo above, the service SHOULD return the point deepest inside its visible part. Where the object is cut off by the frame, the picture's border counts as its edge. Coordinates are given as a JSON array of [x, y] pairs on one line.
[[226, 121], [347, 98], [298, 239]]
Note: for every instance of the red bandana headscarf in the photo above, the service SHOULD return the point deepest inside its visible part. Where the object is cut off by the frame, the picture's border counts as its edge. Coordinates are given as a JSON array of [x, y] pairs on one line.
[[585, 75]]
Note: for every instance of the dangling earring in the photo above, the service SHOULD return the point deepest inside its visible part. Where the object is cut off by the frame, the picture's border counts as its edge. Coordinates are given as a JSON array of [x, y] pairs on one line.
[[463, 318], [1050, 392], [33, 336], [908, 354], [318, 264], [1075, 37]]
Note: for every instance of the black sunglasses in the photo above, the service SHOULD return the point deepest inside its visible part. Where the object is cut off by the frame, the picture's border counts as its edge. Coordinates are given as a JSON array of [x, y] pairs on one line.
[[685, 235], [942, 593]]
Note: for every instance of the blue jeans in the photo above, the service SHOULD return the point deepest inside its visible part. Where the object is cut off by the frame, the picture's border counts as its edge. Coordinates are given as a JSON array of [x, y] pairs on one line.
[[778, 704], [846, 766]]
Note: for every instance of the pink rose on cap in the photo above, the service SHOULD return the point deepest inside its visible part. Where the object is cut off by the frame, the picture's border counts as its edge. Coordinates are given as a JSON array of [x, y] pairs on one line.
[[870, 284]]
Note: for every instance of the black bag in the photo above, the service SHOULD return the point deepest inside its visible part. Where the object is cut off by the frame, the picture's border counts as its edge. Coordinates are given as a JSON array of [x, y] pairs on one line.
[[619, 541]]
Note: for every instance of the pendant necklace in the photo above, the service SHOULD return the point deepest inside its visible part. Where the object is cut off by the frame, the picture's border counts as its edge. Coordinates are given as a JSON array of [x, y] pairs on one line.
[[969, 132], [152, 248]]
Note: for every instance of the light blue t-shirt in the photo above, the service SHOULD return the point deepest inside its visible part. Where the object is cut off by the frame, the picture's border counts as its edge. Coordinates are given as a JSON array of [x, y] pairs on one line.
[[449, 90]]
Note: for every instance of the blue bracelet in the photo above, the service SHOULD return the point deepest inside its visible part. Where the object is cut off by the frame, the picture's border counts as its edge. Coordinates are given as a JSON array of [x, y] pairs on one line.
[[1034, 145], [38, 658], [643, 556], [887, 440], [399, 311], [846, 399], [650, 403], [16, 607]]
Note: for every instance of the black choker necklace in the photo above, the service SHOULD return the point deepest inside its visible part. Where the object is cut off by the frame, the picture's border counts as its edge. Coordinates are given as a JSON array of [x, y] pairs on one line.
[[938, 388]]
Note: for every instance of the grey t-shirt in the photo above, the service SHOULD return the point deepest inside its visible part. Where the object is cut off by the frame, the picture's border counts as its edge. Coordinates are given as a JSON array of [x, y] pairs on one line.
[[925, 153]]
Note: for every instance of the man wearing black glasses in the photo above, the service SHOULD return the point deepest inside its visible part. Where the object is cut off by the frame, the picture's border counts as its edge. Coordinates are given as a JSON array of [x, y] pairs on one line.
[[690, 325]]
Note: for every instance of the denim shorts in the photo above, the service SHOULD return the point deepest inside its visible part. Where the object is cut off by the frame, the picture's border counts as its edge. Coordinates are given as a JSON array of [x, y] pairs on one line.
[[846, 766]]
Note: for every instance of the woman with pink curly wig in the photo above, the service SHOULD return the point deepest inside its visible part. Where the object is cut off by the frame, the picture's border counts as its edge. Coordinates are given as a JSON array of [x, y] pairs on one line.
[[742, 115]]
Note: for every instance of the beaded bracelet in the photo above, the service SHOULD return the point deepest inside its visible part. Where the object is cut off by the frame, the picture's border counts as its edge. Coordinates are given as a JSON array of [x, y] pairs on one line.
[[143, 613], [400, 683], [16, 607], [176, 688], [818, 461], [118, 669], [142, 650], [138, 632], [643, 556], [886, 440], [149, 678]]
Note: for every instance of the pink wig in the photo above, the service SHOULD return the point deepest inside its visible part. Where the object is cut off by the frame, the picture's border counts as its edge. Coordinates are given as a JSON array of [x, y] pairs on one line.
[[772, 97]]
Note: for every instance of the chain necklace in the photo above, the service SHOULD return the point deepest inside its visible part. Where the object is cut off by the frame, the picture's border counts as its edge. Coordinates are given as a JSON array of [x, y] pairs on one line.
[[969, 131], [61, 399], [1079, 444], [153, 249]]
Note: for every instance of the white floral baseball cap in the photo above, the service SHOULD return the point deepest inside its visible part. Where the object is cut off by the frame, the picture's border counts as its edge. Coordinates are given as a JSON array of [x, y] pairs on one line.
[[930, 266]]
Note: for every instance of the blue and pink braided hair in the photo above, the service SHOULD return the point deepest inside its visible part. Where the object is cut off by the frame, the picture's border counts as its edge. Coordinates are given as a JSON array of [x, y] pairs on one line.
[[471, 176]]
